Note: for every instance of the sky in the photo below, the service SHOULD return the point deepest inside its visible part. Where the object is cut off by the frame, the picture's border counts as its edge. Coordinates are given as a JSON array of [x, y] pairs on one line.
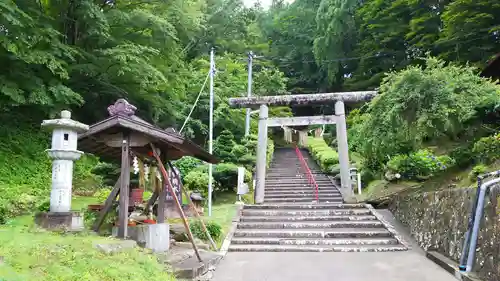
[[265, 3]]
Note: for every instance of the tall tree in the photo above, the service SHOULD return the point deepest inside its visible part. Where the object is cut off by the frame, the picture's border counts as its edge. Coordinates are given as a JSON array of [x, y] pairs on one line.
[[336, 31], [471, 30], [290, 31]]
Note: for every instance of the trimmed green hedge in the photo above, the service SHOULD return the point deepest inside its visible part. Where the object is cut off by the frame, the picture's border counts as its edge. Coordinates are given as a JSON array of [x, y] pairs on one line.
[[327, 157]]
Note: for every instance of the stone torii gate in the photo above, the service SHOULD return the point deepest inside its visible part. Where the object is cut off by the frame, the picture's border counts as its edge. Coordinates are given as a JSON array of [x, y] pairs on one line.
[[263, 102]]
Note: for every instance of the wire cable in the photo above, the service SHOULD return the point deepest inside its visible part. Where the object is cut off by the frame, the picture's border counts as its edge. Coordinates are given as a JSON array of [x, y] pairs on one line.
[[195, 103]]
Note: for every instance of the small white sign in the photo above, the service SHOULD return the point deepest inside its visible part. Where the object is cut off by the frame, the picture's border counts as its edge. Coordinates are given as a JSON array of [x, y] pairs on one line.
[[242, 186]]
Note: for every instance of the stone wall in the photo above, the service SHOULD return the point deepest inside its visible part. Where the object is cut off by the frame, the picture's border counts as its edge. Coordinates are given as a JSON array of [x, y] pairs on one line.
[[438, 221]]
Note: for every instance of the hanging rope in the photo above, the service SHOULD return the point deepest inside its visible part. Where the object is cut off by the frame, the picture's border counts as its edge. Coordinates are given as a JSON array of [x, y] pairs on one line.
[[195, 103]]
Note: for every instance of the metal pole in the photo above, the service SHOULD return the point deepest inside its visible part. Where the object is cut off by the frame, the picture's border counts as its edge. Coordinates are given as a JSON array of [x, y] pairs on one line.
[[211, 129], [249, 94], [477, 223]]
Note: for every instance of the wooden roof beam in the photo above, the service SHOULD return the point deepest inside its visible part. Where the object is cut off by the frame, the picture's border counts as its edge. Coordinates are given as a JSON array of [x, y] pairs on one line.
[[307, 99]]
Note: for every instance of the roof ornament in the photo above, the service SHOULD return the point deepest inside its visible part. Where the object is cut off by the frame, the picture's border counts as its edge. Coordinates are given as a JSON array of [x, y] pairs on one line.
[[122, 107]]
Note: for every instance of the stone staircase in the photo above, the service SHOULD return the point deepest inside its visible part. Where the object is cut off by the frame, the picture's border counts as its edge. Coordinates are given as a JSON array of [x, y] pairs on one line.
[[291, 220], [286, 181]]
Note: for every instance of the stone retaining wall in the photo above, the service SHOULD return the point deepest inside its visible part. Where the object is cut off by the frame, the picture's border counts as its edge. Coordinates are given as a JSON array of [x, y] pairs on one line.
[[438, 221]]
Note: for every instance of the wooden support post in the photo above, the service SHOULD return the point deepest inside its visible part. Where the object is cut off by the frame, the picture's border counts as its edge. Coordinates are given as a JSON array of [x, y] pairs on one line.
[[191, 204], [177, 203], [107, 205], [162, 197], [124, 187]]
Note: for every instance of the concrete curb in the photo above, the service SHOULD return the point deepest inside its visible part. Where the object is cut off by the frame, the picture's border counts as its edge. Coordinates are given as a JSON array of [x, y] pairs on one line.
[[191, 269], [388, 226], [450, 266], [227, 241]]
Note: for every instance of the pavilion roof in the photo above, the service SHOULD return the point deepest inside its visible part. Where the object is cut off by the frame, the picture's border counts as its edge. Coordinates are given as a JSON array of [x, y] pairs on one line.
[[123, 119]]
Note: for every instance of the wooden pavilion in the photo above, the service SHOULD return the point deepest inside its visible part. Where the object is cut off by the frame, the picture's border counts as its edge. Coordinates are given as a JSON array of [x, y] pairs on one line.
[[124, 135]]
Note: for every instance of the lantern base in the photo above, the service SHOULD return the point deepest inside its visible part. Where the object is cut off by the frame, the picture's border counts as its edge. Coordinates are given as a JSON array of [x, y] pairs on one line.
[[68, 221]]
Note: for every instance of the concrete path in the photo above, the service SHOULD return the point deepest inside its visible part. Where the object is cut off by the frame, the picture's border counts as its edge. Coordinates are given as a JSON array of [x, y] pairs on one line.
[[282, 266]]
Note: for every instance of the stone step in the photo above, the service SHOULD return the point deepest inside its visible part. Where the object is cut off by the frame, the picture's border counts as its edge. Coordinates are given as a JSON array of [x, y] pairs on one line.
[[316, 248], [313, 241], [306, 194], [303, 199], [297, 225], [315, 233], [306, 218], [305, 206], [297, 182], [302, 212], [299, 187], [291, 170], [293, 177]]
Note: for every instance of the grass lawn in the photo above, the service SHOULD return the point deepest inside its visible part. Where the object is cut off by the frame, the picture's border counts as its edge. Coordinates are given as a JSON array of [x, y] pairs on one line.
[[32, 254], [223, 212]]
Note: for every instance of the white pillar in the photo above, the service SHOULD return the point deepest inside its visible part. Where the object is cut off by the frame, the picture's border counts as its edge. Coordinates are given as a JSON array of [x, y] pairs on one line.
[[63, 152], [261, 155], [343, 148], [62, 182]]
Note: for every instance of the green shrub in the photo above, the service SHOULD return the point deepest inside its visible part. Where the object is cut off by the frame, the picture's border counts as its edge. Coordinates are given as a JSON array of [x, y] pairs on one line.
[[226, 175], [463, 156], [269, 152], [239, 151], [487, 149], [476, 171], [335, 169], [186, 164], [44, 206], [85, 182], [197, 180], [213, 228], [326, 156], [250, 143], [223, 146], [102, 194], [419, 165], [421, 104], [249, 197]]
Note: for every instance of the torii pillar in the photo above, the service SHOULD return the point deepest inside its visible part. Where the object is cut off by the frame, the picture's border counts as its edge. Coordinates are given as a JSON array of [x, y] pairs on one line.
[[263, 102]]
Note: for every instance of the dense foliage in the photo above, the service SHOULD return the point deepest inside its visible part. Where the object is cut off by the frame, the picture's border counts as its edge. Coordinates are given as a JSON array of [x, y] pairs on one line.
[[421, 104]]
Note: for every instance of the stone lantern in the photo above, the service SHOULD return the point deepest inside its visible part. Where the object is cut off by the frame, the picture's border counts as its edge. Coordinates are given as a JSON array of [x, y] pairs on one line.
[[63, 153]]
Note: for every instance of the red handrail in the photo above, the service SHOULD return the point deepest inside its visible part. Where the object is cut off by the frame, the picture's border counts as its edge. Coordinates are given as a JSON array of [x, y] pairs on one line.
[[310, 177]]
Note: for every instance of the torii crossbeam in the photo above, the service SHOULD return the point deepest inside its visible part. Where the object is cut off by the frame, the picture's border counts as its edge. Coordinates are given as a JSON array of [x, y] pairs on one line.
[[263, 102]]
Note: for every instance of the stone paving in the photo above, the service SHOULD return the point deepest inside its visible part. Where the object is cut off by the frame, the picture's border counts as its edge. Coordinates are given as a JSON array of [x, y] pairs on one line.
[[409, 265]]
